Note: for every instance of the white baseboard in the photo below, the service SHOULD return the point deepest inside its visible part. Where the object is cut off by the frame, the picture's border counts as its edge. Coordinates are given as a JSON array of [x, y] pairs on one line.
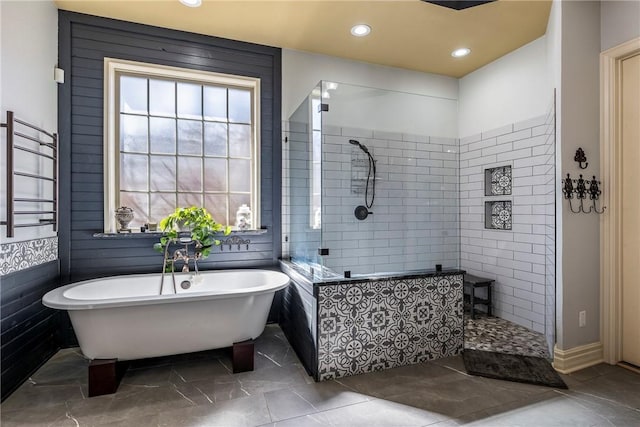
[[574, 359]]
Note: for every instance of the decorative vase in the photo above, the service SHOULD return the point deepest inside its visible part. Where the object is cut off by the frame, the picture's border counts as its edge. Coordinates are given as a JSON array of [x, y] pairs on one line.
[[243, 218], [124, 215]]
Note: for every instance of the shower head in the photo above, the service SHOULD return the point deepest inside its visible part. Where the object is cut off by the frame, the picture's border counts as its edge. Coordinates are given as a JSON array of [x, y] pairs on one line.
[[362, 147]]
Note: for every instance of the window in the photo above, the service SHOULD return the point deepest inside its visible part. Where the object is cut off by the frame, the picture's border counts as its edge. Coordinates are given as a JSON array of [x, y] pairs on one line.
[[178, 138]]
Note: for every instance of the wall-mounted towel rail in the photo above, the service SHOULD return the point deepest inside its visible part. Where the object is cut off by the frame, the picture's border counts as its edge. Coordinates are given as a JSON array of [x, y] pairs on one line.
[[16, 129]]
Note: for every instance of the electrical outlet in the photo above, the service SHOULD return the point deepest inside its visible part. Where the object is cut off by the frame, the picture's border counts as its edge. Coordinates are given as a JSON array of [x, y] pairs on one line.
[[582, 319]]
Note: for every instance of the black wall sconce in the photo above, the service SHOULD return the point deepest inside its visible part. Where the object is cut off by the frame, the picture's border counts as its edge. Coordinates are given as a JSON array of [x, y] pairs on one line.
[[580, 191], [581, 158]]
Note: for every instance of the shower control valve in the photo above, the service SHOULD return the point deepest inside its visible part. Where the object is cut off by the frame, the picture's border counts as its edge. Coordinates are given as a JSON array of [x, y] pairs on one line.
[[362, 212]]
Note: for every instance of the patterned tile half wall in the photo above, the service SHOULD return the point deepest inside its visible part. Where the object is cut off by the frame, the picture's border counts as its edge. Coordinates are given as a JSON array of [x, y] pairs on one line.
[[16, 256], [381, 324]]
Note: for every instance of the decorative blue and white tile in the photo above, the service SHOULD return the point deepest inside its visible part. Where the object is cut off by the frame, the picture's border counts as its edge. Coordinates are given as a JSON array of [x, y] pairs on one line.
[[16, 256], [375, 325]]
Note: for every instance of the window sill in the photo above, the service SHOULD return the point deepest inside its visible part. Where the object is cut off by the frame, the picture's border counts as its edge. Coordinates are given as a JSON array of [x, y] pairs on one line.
[[158, 234]]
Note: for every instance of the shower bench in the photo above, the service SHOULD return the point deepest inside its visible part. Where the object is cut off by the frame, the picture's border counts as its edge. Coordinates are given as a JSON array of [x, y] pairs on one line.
[[471, 283]]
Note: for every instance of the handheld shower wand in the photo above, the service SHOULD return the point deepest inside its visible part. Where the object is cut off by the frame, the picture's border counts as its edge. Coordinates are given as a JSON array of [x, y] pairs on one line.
[[362, 147], [361, 212]]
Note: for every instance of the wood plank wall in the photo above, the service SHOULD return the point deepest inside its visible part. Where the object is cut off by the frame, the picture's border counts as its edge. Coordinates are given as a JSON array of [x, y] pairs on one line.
[[298, 322], [84, 42], [29, 329]]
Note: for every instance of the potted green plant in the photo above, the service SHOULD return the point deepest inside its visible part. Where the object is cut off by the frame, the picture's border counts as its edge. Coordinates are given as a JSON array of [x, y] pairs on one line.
[[196, 221]]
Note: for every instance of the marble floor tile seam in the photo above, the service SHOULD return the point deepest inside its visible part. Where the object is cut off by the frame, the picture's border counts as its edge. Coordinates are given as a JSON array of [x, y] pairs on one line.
[[317, 412], [475, 416], [165, 414], [588, 406], [127, 392], [132, 390], [161, 414], [509, 414], [573, 394]]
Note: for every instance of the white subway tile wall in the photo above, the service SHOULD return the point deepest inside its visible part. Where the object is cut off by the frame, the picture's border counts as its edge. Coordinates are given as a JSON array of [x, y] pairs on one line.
[[414, 224], [521, 260], [429, 209], [549, 212], [300, 240]]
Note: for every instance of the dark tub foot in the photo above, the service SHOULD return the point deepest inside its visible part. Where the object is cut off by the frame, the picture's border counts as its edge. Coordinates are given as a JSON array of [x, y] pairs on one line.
[[243, 356], [105, 376]]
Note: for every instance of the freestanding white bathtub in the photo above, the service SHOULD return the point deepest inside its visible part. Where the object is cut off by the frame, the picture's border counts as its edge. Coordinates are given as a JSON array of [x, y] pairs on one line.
[[127, 317]]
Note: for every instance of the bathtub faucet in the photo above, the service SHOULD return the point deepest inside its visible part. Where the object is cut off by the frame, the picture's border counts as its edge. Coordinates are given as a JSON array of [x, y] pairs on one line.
[[183, 255], [180, 255], [169, 263]]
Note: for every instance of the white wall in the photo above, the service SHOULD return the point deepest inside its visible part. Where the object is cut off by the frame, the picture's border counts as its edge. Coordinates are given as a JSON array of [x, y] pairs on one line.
[[398, 112], [29, 50], [301, 72], [511, 89], [553, 39], [619, 22]]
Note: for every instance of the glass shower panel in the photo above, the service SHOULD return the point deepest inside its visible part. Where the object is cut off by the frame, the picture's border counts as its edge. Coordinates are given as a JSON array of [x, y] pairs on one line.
[[305, 183], [412, 206]]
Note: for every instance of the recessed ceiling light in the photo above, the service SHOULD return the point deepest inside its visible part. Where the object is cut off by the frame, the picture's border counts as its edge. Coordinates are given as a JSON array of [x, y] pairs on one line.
[[459, 53], [191, 3], [360, 30]]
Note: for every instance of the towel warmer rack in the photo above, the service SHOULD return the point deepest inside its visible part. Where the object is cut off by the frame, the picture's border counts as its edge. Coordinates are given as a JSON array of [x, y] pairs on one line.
[[16, 133]]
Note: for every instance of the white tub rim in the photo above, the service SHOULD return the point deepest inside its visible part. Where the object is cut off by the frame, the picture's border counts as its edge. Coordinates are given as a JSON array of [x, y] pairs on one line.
[[56, 298]]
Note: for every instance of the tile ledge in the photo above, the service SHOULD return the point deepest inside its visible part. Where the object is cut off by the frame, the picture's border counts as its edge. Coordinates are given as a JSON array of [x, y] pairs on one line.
[[158, 234]]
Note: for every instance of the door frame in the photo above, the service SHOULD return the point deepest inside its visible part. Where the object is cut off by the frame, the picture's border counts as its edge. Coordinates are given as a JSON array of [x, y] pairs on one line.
[[611, 220]]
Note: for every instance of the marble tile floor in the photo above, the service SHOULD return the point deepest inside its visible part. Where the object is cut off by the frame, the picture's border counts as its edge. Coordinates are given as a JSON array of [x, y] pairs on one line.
[[502, 336], [199, 390]]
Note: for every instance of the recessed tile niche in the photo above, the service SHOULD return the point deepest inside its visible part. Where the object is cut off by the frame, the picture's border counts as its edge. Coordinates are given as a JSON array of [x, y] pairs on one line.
[[497, 181], [497, 215]]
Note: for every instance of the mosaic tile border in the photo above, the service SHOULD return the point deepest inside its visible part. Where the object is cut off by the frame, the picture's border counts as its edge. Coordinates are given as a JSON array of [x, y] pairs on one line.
[[377, 325], [16, 256]]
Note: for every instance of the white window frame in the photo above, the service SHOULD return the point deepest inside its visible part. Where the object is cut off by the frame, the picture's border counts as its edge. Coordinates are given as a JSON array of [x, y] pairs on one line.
[[112, 69]]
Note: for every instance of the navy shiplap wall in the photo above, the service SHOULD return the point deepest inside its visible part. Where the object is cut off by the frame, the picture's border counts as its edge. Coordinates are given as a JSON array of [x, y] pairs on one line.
[[29, 329], [84, 42]]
